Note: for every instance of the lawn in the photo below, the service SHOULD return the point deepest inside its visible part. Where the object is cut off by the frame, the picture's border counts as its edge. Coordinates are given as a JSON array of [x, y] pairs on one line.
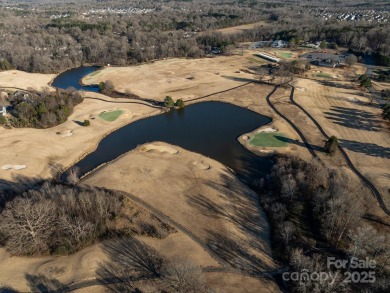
[[323, 75], [269, 139], [282, 54], [111, 115]]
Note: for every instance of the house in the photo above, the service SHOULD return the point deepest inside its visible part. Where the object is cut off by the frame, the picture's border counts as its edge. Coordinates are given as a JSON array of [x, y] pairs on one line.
[[279, 44], [327, 63], [3, 110]]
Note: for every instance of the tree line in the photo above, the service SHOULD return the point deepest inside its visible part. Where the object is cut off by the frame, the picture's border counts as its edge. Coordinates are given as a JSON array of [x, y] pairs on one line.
[[42, 109], [59, 217]]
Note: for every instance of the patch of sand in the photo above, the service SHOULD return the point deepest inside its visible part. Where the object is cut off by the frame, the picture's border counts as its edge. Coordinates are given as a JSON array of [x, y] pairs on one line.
[[13, 167], [66, 133], [25, 80], [159, 148], [267, 129]]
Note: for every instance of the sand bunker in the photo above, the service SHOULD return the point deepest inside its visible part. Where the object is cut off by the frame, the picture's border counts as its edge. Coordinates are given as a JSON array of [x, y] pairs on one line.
[[268, 129], [14, 167], [159, 148], [353, 100], [66, 133], [201, 165]]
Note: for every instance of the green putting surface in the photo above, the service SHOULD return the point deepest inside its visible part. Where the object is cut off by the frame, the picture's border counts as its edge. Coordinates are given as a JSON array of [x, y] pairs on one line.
[[110, 116], [269, 139], [286, 55]]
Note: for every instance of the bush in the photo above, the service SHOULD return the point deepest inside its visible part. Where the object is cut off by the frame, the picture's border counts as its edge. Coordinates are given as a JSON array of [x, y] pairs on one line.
[[331, 145], [168, 102], [86, 122], [5, 65], [106, 87], [3, 120], [180, 103], [351, 59], [365, 81]]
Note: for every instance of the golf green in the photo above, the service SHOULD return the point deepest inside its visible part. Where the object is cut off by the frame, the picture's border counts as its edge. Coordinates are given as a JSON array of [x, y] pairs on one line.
[[269, 139], [286, 55], [110, 116]]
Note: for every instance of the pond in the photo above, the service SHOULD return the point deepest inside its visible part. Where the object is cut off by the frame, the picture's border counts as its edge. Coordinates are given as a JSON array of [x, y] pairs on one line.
[[208, 128], [72, 78]]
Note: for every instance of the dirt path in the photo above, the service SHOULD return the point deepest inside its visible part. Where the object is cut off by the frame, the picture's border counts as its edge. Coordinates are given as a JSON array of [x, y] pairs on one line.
[[309, 147]]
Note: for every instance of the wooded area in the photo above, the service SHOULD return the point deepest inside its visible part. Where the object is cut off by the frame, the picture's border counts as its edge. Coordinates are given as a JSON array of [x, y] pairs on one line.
[[311, 206], [52, 38]]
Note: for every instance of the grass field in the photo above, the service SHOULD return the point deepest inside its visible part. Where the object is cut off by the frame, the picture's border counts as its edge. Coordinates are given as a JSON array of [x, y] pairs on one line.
[[323, 75], [269, 139], [110, 116], [282, 54]]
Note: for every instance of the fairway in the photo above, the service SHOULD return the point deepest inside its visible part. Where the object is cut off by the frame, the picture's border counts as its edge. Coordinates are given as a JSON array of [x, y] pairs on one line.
[[269, 139], [323, 75], [110, 116]]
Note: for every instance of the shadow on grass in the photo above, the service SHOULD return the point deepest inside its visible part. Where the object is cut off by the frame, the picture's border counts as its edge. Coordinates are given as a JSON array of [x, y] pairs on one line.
[[335, 84], [298, 143], [41, 283], [129, 260], [238, 205], [370, 149], [354, 118], [241, 79]]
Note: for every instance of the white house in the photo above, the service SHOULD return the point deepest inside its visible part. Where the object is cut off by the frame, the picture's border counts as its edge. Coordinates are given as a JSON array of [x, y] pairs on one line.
[[279, 44], [3, 110]]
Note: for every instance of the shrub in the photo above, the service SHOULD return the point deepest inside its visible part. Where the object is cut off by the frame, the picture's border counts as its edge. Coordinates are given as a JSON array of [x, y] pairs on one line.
[[5, 65], [106, 87], [168, 102], [180, 103], [86, 122], [3, 120], [331, 145], [351, 59], [365, 81]]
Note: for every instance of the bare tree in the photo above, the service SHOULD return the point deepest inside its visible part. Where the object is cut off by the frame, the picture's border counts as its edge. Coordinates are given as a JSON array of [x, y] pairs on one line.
[[287, 230], [289, 186], [26, 221], [183, 277], [262, 72]]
